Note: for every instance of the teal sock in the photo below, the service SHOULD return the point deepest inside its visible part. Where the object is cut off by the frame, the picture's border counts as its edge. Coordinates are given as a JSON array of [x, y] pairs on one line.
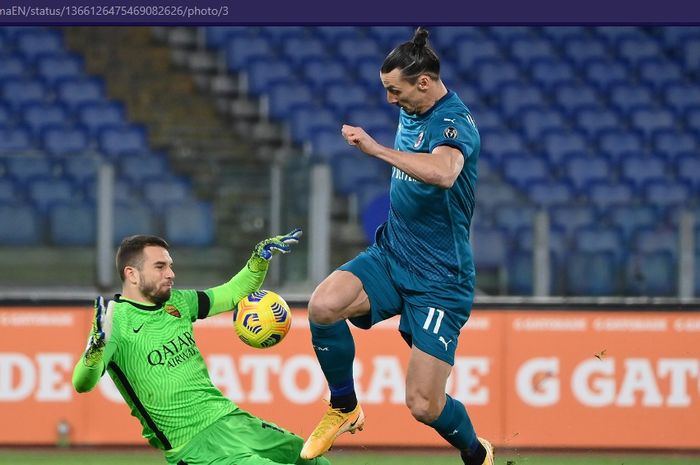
[[454, 425], [335, 350]]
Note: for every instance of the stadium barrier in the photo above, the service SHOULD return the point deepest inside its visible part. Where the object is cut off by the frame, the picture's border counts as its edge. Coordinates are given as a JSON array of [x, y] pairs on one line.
[[540, 377]]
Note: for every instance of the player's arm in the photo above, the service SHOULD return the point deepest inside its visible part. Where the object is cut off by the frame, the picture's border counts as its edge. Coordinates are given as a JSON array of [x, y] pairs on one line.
[[225, 297], [439, 168], [92, 362]]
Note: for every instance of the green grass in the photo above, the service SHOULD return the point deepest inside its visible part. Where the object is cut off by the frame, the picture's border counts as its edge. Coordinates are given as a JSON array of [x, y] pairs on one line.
[[147, 457]]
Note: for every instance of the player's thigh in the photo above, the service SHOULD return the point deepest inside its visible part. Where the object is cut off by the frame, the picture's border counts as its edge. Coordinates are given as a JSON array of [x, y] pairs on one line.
[[383, 300], [341, 295], [426, 376]]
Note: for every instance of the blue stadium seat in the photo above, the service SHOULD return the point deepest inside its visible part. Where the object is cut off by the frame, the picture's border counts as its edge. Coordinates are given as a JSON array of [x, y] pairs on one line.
[[133, 218], [261, 72], [490, 246], [217, 36], [582, 49], [342, 97], [189, 224], [520, 274], [74, 92], [367, 74], [682, 97], [650, 120], [285, 95], [64, 140], [17, 92], [6, 116], [526, 50], [507, 34], [137, 168], [96, 116], [13, 67], [350, 170], [488, 120], [581, 170], [160, 190], [550, 73], [659, 73], [123, 191], [535, 122], [39, 116], [352, 50], [521, 170], [665, 194], [80, 169], [630, 218], [691, 119], [673, 37], [332, 34], [558, 241], [551, 192], [328, 143], [449, 74], [240, 50], [638, 170], [625, 97], [389, 37], [54, 67], [604, 194], [516, 97], [491, 193], [613, 35], [14, 140], [635, 50], [496, 144], [599, 238], [513, 217], [470, 50], [691, 54], [321, 72], [72, 224], [9, 191], [492, 73], [369, 116], [299, 49], [617, 142], [305, 120], [114, 141], [374, 213], [280, 35], [24, 229], [22, 168], [44, 191], [651, 274], [603, 74], [560, 144], [444, 38], [559, 34], [571, 217], [574, 97], [593, 121], [35, 42], [592, 274], [688, 170], [656, 238]]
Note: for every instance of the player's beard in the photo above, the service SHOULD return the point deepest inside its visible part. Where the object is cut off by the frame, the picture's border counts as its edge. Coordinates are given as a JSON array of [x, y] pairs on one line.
[[154, 292]]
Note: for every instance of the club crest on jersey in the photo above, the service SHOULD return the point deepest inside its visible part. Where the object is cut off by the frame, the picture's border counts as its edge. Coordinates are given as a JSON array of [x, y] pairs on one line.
[[171, 310], [450, 132], [418, 141]]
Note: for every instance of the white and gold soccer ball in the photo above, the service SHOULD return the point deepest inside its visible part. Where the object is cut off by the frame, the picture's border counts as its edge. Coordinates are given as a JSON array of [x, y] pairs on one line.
[[262, 319]]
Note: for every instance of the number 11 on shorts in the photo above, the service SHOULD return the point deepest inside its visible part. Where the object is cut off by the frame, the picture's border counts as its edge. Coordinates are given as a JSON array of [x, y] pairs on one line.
[[429, 319]]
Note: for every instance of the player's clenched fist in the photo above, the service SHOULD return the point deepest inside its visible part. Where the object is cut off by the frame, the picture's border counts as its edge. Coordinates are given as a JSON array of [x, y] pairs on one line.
[[358, 137]]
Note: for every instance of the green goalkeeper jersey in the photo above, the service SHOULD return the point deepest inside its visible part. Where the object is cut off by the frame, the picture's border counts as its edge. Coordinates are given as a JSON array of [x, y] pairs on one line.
[[153, 359]]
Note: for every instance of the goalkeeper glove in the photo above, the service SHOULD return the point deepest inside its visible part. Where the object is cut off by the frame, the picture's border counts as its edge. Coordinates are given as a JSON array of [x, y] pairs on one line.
[[100, 331], [266, 249]]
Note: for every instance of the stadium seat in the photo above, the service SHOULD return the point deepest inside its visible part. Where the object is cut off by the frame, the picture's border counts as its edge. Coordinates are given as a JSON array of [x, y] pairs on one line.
[[389, 37], [374, 213], [613, 35], [672, 144], [369, 116], [74, 92], [526, 50], [280, 35], [581, 170], [659, 73], [512, 217], [96, 116], [352, 50], [218, 36], [64, 140], [306, 120], [535, 122], [549, 73], [603, 74], [327, 144], [638, 170], [350, 170], [14, 141], [25, 227], [521, 274], [594, 120], [635, 50], [445, 37], [492, 73], [133, 218], [488, 121], [54, 67], [44, 191], [332, 34], [13, 67], [296, 50], [322, 72], [516, 97], [282, 96], [625, 97], [550, 192], [559, 34], [72, 224], [673, 37], [651, 274], [592, 274], [240, 50], [6, 116], [491, 193], [261, 72], [666, 193], [604, 194], [579, 50], [17, 92], [560, 144], [342, 97], [137, 168], [691, 54], [9, 191], [22, 168], [35, 42], [39, 116], [558, 242], [571, 217], [507, 34], [688, 170], [616, 142], [80, 168], [682, 97], [470, 50], [117, 140], [573, 97], [650, 120], [490, 247], [496, 144], [189, 224], [161, 190], [630, 218], [521, 170], [123, 191], [656, 238]]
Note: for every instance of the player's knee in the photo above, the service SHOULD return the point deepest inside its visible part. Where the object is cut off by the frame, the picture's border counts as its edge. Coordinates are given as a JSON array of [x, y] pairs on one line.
[[422, 408], [321, 309]]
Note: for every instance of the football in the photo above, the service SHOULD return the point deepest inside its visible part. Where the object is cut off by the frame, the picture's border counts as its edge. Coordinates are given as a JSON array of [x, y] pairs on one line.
[[262, 319]]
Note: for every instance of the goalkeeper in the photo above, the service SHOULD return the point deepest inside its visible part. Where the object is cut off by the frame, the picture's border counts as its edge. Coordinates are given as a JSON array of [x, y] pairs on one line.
[[143, 339]]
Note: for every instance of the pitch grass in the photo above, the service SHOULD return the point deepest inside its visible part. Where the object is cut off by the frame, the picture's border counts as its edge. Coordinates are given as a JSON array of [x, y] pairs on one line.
[[140, 456]]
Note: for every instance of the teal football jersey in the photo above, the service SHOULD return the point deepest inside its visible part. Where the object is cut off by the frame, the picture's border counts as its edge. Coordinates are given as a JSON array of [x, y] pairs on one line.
[[428, 227]]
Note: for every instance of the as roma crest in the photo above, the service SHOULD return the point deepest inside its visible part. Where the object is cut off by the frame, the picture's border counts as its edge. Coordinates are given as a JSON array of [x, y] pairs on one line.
[[170, 309]]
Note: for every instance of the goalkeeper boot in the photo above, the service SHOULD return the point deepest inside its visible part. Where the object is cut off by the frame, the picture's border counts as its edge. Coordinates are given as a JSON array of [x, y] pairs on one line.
[[333, 424]]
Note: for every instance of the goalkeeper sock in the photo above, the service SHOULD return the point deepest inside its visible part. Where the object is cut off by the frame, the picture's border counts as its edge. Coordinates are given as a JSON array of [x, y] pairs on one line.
[[335, 350], [455, 427]]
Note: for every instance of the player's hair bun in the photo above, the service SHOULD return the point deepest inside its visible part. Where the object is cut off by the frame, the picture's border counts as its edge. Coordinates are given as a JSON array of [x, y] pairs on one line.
[[420, 38]]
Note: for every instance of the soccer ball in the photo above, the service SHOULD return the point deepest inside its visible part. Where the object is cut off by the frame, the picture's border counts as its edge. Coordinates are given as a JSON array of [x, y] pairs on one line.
[[262, 319]]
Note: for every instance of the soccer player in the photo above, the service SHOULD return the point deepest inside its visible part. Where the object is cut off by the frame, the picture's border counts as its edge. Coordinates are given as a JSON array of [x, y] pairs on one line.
[[420, 266], [143, 339]]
